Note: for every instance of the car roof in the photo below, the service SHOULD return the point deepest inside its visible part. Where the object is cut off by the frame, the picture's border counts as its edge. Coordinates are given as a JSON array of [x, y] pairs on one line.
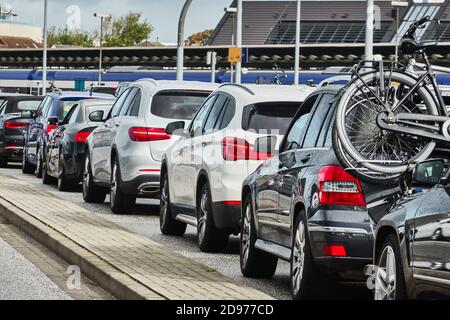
[[96, 102], [253, 93], [158, 85], [24, 98], [80, 94]]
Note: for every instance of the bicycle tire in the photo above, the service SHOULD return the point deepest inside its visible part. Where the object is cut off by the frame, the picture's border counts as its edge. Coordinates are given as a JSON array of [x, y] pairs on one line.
[[348, 154]]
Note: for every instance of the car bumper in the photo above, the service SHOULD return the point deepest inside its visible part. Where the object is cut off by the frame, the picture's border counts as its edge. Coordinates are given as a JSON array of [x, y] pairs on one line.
[[145, 186], [227, 216], [12, 147], [348, 229]]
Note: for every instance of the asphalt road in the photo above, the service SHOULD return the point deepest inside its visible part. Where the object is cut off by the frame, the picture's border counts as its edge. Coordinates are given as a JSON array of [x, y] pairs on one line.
[[145, 221]]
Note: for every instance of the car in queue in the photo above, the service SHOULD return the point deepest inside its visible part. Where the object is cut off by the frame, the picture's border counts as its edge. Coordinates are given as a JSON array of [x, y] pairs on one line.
[[412, 241], [65, 151], [13, 125], [125, 152], [202, 173], [52, 110], [303, 207]]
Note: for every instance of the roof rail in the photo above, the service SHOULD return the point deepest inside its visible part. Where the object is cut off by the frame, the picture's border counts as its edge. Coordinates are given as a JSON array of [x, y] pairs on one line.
[[153, 81], [56, 90], [334, 79], [238, 86]]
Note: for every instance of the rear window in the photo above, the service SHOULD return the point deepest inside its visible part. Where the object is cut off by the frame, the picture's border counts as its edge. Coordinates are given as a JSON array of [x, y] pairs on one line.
[[66, 104], [181, 105], [26, 105], [269, 116]]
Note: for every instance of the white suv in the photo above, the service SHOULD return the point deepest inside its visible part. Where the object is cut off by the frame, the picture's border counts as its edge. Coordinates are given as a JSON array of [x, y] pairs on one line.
[[124, 153], [202, 173]]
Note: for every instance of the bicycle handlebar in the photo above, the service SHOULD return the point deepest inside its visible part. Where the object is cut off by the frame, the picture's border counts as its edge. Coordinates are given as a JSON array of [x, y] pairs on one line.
[[416, 25]]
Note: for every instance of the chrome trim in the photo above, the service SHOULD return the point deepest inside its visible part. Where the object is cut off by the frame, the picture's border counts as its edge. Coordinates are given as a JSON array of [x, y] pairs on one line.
[[377, 203], [337, 230], [273, 248], [149, 185], [187, 219], [432, 279]]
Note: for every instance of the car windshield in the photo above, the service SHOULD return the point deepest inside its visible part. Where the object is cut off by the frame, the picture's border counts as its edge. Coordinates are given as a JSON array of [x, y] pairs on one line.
[[67, 103], [181, 105], [269, 116]]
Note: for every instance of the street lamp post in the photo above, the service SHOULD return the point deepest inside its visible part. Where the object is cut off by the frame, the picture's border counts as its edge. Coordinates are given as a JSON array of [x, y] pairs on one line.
[[232, 12], [44, 56], [100, 62], [369, 30], [297, 45], [239, 40], [180, 44]]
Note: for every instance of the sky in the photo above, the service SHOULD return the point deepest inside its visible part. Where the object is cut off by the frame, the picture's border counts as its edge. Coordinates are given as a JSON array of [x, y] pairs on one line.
[[162, 14]]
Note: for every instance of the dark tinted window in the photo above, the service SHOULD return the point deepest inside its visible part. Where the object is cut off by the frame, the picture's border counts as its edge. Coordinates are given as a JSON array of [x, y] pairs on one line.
[[297, 131], [227, 114], [214, 114], [19, 106], [128, 102], [199, 119], [177, 104], [327, 130], [119, 103], [269, 116], [317, 121], [133, 110]]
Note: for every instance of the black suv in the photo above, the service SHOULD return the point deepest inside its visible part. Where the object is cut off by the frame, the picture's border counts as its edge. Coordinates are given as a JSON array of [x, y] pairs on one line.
[[302, 206]]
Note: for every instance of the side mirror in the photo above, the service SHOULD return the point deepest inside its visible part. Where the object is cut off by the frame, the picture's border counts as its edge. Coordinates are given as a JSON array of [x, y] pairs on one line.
[[287, 159], [53, 121], [429, 172], [96, 116], [27, 114], [176, 128], [266, 144]]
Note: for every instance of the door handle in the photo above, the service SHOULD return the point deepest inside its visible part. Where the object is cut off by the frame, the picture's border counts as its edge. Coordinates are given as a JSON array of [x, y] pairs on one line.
[[204, 144], [306, 158]]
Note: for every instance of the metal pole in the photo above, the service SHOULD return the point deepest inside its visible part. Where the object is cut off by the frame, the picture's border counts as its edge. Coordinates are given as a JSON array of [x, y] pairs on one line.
[[369, 30], [44, 57], [396, 34], [101, 53], [213, 66], [180, 45], [239, 39], [297, 45], [232, 75]]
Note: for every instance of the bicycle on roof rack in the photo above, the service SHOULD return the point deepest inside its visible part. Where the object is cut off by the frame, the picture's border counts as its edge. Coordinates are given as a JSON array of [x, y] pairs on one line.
[[388, 116]]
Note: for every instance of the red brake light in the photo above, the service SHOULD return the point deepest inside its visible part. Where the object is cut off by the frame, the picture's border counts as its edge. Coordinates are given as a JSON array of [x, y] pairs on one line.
[[338, 187], [334, 250], [16, 125], [82, 136], [141, 134], [50, 128], [234, 149]]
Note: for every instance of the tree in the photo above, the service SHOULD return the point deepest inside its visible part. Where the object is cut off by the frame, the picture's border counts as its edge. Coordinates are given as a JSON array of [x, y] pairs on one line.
[[126, 31], [199, 38], [68, 37]]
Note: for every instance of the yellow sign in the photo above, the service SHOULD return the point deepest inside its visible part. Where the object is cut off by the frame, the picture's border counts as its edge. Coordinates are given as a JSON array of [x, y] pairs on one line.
[[234, 55]]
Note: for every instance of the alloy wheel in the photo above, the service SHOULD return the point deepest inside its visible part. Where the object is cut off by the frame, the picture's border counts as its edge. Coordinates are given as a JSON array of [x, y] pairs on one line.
[[113, 184], [164, 202], [298, 257], [202, 219], [385, 281], [246, 235]]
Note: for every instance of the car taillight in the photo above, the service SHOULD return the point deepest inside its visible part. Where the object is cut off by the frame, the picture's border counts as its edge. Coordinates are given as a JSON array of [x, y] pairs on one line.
[[81, 136], [141, 134], [50, 128], [234, 149], [338, 187], [16, 125]]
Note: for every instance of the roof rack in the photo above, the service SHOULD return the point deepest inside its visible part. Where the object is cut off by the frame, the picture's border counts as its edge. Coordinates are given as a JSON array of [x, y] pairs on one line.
[[153, 81], [238, 86]]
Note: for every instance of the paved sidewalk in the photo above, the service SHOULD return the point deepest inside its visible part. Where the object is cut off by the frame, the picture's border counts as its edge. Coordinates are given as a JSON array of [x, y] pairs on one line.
[[111, 255]]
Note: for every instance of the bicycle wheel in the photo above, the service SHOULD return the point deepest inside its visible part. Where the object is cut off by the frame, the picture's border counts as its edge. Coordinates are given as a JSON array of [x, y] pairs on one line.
[[380, 156]]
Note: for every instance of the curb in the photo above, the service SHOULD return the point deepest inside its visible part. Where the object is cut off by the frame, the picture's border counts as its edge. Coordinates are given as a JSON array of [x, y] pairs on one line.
[[114, 281]]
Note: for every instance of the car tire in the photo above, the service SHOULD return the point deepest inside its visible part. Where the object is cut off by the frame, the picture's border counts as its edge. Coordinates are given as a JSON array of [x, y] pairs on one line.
[[3, 162], [390, 279], [209, 238], [27, 167], [254, 262], [120, 202], [307, 282], [46, 178], [167, 224], [64, 183], [38, 170], [91, 192]]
